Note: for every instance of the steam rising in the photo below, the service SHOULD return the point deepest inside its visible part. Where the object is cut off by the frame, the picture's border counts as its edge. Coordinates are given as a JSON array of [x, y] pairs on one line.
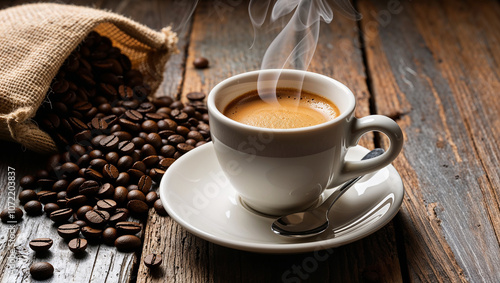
[[295, 45]]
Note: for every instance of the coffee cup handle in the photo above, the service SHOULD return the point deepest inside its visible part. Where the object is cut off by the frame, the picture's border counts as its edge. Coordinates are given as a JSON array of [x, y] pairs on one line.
[[370, 123]]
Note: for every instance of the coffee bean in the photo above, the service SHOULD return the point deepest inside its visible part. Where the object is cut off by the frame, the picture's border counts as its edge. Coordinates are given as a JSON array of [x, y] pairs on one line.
[[154, 117], [167, 150], [175, 139], [93, 174], [106, 204], [153, 139], [137, 206], [128, 243], [97, 218], [195, 96], [151, 197], [135, 174], [136, 194], [74, 186], [41, 270], [60, 185], [145, 183], [61, 215], [200, 63], [158, 205], [123, 179], [120, 195], [133, 115], [106, 191], [128, 227], [112, 157], [27, 195], [148, 150], [33, 207], [109, 236], [110, 142], [152, 260], [184, 147], [41, 244], [125, 162], [98, 163], [45, 183], [77, 245], [99, 124], [50, 207], [151, 161], [139, 165], [68, 231], [156, 174], [125, 92], [129, 125], [121, 214], [77, 124], [28, 182], [91, 234], [80, 213], [110, 172], [126, 147], [80, 223], [149, 125], [76, 201], [47, 196], [90, 187]]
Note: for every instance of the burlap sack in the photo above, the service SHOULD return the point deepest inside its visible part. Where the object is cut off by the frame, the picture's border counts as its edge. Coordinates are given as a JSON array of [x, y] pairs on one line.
[[35, 40]]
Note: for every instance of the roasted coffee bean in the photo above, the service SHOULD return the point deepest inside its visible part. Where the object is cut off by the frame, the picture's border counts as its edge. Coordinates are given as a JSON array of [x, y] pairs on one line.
[[33, 207], [128, 227], [126, 147], [184, 147], [154, 117], [50, 207], [196, 96], [110, 119], [96, 154], [137, 206], [97, 218], [128, 243], [76, 201], [80, 223], [47, 196], [151, 197], [110, 142], [167, 124], [106, 191], [156, 174], [175, 139], [11, 216], [41, 270], [80, 213], [148, 150], [136, 194], [121, 214], [181, 117], [153, 139], [82, 106], [167, 150], [195, 135], [132, 187], [123, 179], [60, 185], [77, 245], [77, 124], [62, 195], [138, 142], [135, 174], [61, 215], [120, 195], [151, 161], [163, 101], [129, 125], [68, 231], [110, 172], [152, 260], [83, 161], [182, 130], [106, 204], [125, 92], [158, 205], [133, 115], [28, 182], [112, 157], [99, 124], [139, 165], [74, 186], [90, 187], [41, 244], [200, 63], [109, 236], [125, 162], [27, 195], [98, 163], [144, 184], [91, 234], [93, 174]]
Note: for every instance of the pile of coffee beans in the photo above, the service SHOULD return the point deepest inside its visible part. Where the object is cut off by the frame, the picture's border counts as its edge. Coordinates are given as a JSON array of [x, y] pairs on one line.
[[114, 142]]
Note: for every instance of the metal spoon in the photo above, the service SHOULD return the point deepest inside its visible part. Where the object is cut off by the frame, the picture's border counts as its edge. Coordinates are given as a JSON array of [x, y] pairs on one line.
[[315, 221]]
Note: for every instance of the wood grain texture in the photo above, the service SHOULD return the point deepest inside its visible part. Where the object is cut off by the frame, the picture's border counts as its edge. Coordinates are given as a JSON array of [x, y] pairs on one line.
[[225, 40], [434, 66]]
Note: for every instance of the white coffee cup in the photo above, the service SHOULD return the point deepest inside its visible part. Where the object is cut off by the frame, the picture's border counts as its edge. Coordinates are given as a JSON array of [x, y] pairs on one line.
[[280, 171]]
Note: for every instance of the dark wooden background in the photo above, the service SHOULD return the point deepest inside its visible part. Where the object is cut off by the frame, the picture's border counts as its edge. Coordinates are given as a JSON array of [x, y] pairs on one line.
[[433, 66]]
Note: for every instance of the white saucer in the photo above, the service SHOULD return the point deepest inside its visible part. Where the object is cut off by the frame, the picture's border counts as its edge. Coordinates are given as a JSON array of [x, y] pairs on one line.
[[198, 196]]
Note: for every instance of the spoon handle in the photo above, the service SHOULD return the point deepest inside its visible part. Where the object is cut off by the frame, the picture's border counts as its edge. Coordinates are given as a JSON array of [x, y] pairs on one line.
[[338, 193]]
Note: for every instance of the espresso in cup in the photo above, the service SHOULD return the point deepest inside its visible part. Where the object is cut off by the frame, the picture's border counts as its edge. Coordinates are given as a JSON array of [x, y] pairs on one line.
[[284, 108]]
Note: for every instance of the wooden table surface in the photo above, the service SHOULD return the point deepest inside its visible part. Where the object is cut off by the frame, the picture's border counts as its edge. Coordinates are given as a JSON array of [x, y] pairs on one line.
[[433, 66]]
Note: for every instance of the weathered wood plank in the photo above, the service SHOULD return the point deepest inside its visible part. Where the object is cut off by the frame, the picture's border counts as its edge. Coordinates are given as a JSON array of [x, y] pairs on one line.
[[225, 40], [434, 66]]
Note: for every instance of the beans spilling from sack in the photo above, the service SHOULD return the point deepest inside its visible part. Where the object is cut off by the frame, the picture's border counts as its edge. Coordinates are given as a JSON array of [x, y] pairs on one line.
[[114, 142]]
